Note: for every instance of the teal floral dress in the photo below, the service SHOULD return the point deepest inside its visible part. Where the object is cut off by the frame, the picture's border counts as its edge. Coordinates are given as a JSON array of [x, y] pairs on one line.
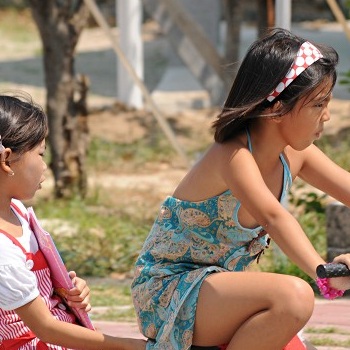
[[189, 241]]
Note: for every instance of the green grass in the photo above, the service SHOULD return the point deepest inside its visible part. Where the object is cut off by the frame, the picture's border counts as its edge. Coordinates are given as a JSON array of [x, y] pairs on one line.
[[337, 147], [110, 294], [326, 330], [327, 336], [93, 238], [329, 342], [152, 149], [111, 300], [115, 314]]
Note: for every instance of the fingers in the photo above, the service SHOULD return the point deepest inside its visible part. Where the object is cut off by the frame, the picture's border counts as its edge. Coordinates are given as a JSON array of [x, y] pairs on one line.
[[342, 283], [72, 274], [79, 295], [80, 288], [84, 305], [79, 299], [343, 258]]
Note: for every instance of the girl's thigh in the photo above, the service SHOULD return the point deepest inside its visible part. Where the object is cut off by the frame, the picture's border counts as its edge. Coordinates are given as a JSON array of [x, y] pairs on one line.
[[229, 300]]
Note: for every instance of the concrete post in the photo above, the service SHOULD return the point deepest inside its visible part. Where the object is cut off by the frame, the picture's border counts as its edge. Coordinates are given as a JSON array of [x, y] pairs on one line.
[[283, 13], [129, 21]]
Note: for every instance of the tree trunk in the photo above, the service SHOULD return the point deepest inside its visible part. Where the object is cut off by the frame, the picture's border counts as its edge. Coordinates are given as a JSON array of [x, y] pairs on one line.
[[233, 12], [60, 24], [266, 15]]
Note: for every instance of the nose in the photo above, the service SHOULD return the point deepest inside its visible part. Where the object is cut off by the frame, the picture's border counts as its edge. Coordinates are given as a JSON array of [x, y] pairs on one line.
[[326, 115], [44, 166]]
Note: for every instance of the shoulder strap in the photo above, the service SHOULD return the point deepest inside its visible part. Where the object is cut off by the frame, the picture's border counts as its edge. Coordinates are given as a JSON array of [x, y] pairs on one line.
[[14, 240], [249, 140], [19, 211]]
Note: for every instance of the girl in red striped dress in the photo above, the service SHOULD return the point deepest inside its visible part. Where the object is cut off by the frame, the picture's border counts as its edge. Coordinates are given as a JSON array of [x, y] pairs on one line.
[[31, 316]]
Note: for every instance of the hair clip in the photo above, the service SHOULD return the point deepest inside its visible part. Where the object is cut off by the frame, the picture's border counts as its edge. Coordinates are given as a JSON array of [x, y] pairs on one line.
[[306, 56], [2, 148]]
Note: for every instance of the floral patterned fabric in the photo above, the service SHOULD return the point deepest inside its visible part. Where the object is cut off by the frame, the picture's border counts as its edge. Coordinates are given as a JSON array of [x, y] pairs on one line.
[[189, 241]]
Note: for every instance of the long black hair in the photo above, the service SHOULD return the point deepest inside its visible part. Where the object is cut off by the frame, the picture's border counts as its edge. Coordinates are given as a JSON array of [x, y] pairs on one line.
[[265, 65]]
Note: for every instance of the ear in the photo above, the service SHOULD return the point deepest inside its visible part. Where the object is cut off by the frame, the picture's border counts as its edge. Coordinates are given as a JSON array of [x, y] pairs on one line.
[[275, 107], [276, 117], [4, 163]]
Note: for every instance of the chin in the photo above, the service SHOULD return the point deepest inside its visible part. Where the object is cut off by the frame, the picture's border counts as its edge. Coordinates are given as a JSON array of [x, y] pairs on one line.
[[23, 198], [30, 196], [302, 147]]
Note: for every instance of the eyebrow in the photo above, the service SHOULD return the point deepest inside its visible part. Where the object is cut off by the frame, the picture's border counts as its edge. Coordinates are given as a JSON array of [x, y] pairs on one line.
[[320, 97], [325, 98]]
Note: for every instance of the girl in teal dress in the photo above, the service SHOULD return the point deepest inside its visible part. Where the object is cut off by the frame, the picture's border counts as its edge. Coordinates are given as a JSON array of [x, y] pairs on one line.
[[191, 286]]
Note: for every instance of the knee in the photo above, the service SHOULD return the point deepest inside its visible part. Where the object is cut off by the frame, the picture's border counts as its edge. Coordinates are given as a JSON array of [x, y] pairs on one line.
[[296, 299], [303, 296]]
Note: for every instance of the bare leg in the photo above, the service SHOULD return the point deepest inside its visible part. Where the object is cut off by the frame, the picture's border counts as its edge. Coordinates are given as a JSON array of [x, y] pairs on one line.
[[251, 310]]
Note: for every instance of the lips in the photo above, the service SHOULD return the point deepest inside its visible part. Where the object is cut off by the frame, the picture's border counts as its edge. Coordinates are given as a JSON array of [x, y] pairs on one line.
[[39, 186], [319, 133]]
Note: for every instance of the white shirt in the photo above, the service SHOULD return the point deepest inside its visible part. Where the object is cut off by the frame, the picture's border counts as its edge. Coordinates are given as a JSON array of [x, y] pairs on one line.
[[18, 284]]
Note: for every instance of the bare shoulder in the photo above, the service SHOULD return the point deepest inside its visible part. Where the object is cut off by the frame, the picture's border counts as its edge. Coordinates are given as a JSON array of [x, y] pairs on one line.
[[226, 151], [206, 178]]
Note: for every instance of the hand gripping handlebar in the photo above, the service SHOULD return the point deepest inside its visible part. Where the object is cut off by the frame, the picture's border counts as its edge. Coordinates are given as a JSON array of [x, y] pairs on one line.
[[332, 270]]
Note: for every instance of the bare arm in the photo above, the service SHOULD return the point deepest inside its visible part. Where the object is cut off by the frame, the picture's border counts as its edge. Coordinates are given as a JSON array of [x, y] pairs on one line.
[[321, 172], [39, 319], [248, 185]]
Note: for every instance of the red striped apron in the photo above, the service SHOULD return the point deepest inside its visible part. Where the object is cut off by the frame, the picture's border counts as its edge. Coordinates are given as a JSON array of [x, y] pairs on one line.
[[16, 334]]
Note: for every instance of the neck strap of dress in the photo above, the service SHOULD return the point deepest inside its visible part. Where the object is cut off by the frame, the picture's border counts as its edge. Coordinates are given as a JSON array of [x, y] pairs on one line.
[[249, 140]]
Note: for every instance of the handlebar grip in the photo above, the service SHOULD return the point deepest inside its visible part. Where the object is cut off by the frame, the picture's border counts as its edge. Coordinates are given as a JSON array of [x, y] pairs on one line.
[[332, 270]]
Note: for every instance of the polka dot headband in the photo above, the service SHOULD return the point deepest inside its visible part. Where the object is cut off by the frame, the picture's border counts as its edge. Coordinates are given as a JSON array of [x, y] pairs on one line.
[[306, 56]]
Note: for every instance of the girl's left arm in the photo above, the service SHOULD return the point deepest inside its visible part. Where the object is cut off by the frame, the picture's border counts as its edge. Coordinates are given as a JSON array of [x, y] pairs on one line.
[[321, 172], [48, 329]]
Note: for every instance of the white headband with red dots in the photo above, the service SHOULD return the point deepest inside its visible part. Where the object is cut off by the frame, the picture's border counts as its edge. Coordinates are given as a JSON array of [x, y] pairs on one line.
[[306, 56]]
